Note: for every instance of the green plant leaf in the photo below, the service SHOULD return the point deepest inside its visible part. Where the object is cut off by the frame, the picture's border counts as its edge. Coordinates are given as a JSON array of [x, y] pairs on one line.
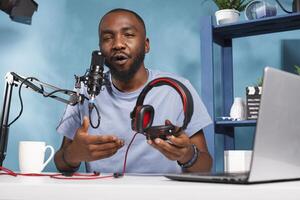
[[259, 82], [297, 69], [238, 5]]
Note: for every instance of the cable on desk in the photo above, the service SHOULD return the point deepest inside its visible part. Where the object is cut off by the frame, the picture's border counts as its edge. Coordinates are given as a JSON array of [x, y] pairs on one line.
[[75, 176]]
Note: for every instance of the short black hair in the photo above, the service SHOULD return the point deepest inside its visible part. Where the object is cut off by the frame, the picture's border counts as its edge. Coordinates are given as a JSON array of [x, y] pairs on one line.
[[139, 18]]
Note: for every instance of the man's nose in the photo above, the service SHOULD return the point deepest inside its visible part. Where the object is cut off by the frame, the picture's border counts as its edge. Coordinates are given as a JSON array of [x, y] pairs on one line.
[[119, 43]]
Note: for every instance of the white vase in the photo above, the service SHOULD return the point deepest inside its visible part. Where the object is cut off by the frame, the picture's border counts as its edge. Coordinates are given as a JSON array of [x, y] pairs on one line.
[[238, 109], [227, 16]]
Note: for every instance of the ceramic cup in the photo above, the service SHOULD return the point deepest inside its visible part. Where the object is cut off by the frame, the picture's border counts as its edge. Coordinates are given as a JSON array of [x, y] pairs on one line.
[[237, 160], [32, 155]]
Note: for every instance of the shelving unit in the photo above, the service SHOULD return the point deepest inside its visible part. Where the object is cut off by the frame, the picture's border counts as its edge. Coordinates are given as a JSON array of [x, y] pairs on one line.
[[223, 36], [242, 123]]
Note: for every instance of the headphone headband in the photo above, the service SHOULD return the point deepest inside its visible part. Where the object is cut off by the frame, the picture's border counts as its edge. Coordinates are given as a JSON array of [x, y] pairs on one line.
[[186, 97]]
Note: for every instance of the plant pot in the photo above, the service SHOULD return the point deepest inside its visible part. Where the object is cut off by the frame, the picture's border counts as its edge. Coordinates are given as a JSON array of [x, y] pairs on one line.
[[227, 16]]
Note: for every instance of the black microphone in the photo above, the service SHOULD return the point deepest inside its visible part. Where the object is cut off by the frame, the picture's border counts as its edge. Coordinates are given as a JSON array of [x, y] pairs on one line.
[[95, 79], [95, 75]]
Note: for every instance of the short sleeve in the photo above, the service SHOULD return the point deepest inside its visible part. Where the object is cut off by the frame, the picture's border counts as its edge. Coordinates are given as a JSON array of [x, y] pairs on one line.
[[200, 118], [70, 122]]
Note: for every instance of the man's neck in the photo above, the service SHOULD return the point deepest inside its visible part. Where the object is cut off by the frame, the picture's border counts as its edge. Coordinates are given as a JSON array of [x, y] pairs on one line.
[[138, 80]]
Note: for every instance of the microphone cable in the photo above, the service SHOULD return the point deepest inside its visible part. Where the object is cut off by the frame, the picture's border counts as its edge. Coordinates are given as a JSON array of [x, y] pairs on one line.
[[20, 98], [92, 106], [73, 176], [41, 91]]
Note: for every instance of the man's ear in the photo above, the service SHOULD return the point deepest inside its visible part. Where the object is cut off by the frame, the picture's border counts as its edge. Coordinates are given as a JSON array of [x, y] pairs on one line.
[[147, 45]]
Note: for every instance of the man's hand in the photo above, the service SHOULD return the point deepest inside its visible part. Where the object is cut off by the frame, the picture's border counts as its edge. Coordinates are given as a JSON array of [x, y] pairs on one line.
[[85, 147], [175, 148]]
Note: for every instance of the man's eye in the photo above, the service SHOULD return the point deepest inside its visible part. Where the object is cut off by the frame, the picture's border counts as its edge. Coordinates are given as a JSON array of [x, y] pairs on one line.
[[105, 38], [129, 35]]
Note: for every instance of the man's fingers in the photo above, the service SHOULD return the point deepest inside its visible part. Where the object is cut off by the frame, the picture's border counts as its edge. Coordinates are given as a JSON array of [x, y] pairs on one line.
[[98, 151], [85, 124], [104, 147], [101, 139], [181, 140], [166, 148]]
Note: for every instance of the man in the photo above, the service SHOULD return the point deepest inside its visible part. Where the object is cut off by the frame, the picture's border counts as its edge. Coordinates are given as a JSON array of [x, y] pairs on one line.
[[123, 42]]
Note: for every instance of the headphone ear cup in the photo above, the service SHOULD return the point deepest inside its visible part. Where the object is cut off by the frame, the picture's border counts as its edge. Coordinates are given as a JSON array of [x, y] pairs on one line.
[[160, 131], [144, 118]]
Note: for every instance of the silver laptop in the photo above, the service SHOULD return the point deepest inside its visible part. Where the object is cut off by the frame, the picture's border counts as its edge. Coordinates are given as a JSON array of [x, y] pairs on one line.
[[276, 150]]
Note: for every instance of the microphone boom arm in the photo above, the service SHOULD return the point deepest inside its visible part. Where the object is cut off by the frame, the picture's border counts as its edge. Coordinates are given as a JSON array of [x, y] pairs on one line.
[[12, 79]]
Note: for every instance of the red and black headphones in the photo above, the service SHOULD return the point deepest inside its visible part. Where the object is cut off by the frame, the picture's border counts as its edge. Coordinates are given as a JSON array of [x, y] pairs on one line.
[[142, 115]]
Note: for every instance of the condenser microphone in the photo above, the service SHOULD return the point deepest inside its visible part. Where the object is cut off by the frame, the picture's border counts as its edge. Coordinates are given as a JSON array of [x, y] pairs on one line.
[[95, 75], [95, 80]]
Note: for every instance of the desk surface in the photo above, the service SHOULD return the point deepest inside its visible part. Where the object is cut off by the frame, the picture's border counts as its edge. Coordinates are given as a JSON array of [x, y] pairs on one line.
[[141, 188]]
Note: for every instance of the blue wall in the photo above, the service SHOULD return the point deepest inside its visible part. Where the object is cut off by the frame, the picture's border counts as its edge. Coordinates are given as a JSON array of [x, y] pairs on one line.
[[63, 33]]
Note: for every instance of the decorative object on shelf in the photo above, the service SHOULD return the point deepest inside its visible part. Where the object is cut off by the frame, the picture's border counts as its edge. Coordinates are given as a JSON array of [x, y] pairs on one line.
[[259, 9], [253, 95], [238, 109], [297, 69], [226, 118], [229, 10]]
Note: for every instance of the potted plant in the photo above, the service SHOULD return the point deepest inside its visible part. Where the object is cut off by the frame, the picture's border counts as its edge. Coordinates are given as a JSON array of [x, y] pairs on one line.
[[229, 10], [297, 69]]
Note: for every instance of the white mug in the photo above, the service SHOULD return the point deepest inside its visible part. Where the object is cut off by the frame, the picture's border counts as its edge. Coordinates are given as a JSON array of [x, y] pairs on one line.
[[237, 160], [32, 155]]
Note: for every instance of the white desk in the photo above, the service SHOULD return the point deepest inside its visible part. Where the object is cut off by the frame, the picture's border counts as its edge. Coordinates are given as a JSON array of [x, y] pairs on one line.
[[140, 188]]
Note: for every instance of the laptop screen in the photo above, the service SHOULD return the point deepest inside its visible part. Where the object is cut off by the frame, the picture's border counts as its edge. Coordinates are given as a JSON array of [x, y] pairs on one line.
[[277, 140]]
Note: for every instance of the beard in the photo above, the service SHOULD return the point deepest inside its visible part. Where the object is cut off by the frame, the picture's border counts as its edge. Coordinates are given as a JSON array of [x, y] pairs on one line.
[[127, 75]]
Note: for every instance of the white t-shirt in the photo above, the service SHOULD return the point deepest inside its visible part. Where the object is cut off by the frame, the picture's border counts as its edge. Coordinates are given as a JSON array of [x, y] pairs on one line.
[[115, 107]]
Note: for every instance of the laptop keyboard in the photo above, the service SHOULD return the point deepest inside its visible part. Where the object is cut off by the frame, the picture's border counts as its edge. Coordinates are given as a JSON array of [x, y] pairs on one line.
[[219, 177]]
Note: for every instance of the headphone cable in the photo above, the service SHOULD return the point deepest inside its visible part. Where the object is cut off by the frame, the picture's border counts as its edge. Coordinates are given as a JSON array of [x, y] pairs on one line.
[[126, 154], [95, 175]]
